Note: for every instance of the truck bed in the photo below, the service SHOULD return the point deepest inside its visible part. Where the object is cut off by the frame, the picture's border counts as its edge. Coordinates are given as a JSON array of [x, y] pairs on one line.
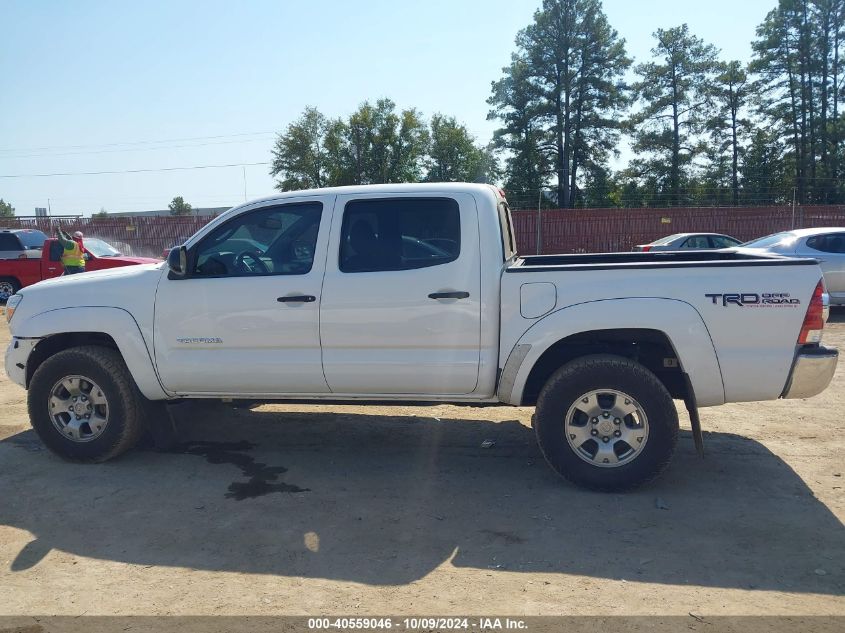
[[752, 336]]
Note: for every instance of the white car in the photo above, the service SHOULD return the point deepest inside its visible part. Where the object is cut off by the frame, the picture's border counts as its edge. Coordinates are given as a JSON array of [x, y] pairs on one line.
[[696, 241], [21, 243], [408, 293], [826, 245]]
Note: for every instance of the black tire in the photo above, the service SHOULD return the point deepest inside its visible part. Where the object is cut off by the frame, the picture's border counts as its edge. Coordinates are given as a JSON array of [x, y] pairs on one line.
[[8, 287], [106, 368], [597, 372]]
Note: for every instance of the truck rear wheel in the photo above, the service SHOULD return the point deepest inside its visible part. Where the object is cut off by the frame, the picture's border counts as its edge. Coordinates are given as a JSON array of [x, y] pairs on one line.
[[606, 423], [84, 405]]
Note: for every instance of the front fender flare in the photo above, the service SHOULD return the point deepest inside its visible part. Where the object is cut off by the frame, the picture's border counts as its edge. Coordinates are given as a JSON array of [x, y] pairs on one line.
[[678, 320], [119, 324]]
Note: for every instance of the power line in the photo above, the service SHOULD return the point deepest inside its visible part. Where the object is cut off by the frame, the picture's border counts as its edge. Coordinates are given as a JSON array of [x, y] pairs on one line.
[[132, 171], [130, 149], [169, 140]]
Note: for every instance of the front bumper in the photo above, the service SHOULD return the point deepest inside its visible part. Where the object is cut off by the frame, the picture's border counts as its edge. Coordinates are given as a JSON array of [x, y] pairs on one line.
[[811, 372], [17, 354]]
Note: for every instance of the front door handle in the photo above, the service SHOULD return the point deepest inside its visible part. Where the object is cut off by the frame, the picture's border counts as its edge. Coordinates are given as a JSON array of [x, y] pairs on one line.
[[449, 295], [297, 299]]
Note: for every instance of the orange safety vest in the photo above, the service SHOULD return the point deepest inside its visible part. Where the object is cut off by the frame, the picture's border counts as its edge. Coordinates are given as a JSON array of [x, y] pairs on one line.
[[74, 257]]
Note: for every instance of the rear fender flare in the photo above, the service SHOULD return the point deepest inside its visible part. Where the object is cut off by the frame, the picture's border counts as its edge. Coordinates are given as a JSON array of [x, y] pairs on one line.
[[678, 320]]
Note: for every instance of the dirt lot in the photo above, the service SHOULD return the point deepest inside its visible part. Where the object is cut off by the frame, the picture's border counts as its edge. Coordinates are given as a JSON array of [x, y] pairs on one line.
[[398, 510]]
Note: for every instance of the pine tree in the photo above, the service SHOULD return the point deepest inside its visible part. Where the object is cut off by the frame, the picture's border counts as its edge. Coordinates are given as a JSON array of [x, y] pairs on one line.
[[572, 75], [673, 91]]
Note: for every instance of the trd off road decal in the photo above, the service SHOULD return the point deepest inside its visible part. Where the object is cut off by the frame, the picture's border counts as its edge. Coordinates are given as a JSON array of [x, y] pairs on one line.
[[754, 300]]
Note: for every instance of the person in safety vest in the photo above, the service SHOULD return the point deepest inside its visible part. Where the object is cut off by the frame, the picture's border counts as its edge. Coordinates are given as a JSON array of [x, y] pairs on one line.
[[73, 256]]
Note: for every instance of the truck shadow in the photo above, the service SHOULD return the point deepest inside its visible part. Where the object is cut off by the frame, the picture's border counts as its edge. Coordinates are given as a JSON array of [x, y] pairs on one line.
[[386, 500]]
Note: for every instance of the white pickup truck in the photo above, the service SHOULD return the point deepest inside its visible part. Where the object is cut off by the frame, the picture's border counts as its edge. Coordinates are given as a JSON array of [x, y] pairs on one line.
[[416, 293]]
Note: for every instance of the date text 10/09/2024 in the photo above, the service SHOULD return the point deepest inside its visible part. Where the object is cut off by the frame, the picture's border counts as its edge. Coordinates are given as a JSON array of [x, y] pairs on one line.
[[417, 623]]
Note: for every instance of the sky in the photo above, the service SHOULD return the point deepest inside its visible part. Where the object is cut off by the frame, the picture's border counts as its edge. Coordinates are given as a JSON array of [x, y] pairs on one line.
[[91, 86]]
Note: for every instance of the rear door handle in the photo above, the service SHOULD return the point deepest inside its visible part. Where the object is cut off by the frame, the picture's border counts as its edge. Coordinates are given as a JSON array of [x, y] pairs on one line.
[[297, 299], [449, 295]]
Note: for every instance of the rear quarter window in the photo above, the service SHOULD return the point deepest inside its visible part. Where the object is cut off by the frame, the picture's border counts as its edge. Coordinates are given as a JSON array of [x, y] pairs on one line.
[[834, 243], [9, 242], [508, 241]]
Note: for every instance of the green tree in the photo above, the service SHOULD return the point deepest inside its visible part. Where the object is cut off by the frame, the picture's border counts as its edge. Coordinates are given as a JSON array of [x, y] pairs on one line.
[[454, 156], [575, 61], [378, 145], [516, 102], [178, 206], [101, 214], [375, 144], [730, 92], [299, 154], [673, 91], [766, 177], [600, 190], [798, 58], [711, 184], [6, 209]]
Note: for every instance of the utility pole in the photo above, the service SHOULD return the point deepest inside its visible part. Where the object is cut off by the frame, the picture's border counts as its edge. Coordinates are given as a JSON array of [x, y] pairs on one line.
[[794, 189], [540, 222], [244, 170]]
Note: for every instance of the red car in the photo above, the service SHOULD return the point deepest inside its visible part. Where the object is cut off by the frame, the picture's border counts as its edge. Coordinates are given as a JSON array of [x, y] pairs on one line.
[[99, 255]]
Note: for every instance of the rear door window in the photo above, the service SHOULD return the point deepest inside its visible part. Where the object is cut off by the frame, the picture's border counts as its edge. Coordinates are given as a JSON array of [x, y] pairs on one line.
[[399, 234], [720, 241], [697, 241]]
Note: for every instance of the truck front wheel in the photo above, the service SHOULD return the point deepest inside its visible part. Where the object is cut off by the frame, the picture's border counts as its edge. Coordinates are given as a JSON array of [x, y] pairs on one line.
[[84, 405], [606, 422], [8, 287]]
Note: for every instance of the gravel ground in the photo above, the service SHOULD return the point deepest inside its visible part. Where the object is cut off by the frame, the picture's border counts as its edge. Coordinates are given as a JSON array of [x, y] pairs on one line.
[[290, 509]]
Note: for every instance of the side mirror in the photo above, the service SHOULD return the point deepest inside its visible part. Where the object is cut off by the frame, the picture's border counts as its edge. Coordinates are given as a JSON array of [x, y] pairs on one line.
[[177, 261]]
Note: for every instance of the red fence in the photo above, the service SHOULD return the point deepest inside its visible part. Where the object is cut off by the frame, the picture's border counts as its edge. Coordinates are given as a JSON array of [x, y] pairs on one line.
[[608, 230], [561, 230], [141, 236]]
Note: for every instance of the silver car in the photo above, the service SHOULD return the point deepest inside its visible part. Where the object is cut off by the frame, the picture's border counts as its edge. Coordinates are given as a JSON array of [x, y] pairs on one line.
[[21, 243], [824, 244], [695, 241]]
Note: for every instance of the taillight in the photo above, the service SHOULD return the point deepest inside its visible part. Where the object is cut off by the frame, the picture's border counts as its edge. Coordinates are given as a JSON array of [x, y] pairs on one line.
[[646, 249], [814, 320]]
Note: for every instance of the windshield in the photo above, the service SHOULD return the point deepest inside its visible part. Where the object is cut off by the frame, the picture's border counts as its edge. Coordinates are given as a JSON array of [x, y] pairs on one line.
[[777, 239], [99, 248], [32, 239]]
